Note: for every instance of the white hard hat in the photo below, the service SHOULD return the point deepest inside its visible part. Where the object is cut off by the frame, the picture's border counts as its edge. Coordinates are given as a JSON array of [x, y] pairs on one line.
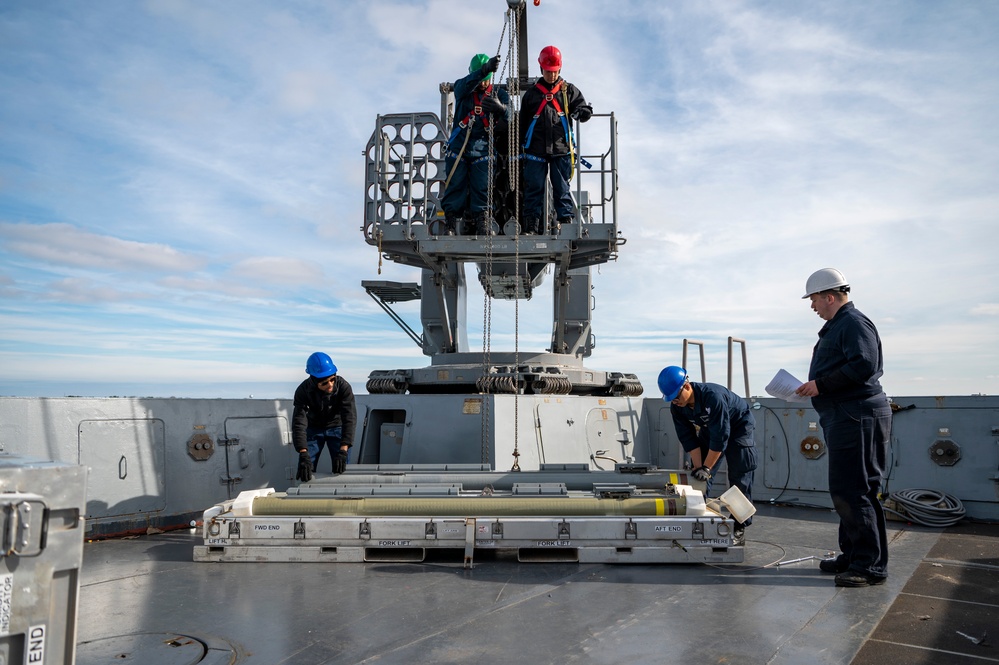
[[826, 279]]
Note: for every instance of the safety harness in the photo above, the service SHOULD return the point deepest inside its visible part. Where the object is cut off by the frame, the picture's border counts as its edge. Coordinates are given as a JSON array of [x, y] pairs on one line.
[[467, 123], [477, 100], [551, 96]]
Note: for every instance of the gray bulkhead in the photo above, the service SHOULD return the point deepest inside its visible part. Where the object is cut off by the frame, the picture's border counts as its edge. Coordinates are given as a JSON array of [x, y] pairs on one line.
[[155, 463]]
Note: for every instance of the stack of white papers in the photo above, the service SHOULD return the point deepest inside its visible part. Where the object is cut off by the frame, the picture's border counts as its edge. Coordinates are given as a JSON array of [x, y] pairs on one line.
[[783, 386]]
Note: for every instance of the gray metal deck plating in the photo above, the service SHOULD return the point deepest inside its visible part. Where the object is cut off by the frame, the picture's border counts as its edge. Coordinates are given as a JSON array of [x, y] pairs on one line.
[[144, 600]]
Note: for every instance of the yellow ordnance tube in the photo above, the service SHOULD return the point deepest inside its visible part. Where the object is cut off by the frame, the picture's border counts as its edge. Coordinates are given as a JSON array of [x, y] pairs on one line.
[[470, 506]]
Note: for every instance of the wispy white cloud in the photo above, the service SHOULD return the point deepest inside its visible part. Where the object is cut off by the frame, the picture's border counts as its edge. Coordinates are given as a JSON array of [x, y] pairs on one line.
[[182, 183], [280, 269], [80, 290], [986, 309], [66, 245]]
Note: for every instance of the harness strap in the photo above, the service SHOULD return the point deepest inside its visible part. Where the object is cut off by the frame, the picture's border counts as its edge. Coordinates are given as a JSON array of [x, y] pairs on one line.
[[467, 123], [551, 96], [476, 109], [457, 160], [569, 138]]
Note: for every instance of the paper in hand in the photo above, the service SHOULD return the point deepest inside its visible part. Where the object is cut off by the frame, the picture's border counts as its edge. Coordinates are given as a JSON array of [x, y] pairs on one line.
[[783, 386]]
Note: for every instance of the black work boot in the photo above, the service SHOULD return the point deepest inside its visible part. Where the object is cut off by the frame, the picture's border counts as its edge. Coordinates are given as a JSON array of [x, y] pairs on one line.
[[532, 225], [854, 578], [484, 224], [452, 223]]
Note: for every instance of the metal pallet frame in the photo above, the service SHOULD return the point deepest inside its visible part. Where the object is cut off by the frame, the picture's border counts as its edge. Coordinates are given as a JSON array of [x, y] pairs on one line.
[[645, 540]]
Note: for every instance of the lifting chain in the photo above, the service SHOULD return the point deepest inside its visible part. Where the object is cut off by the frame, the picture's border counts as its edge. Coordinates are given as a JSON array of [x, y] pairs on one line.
[[513, 147], [488, 383], [487, 302], [513, 131], [487, 306]]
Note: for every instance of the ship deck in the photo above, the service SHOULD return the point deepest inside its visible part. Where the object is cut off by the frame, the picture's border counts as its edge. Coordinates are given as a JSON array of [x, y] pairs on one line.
[[145, 600]]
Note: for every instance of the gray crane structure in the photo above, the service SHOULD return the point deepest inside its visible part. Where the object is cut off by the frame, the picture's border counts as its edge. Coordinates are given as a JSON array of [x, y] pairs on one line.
[[404, 183]]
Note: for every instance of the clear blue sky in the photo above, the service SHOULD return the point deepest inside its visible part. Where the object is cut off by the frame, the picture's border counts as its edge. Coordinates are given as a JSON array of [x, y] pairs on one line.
[[181, 184]]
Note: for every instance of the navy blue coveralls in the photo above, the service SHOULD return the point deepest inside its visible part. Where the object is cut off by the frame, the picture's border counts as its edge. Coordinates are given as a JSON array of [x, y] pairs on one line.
[[467, 192], [724, 423], [320, 419], [546, 142], [856, 420]]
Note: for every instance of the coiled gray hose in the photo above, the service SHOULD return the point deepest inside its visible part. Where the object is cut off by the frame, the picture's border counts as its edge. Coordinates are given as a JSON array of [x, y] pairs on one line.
[[927, 507]]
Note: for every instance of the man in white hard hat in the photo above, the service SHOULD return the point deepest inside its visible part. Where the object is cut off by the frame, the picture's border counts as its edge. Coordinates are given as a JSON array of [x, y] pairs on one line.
[[856, 421]]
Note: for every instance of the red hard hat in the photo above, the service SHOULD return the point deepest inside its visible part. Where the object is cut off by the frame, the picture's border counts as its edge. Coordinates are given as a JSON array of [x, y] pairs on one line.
[[550, 59]]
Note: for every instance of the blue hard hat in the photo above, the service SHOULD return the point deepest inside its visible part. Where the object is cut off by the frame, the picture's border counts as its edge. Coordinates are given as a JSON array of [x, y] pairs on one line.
[[320, 365], [671, 380]]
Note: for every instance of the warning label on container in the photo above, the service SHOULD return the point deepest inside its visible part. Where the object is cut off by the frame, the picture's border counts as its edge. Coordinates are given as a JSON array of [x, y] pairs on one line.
[[6, 592]]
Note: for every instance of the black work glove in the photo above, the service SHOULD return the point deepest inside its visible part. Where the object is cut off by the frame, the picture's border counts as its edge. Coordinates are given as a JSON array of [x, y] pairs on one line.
[[583, 113], [493, 64], [340, 462], [304, 467], [493, 106], [702, 473]]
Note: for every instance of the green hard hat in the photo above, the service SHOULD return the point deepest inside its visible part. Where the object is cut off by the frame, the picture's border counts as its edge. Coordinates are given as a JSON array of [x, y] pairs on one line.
[[475, 65]]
